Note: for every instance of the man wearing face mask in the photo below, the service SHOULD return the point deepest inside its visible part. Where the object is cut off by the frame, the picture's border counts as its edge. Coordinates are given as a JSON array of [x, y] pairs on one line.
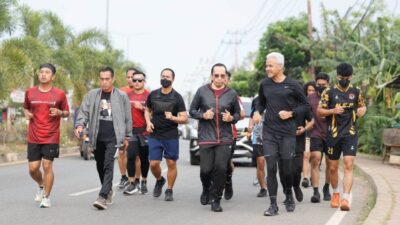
[[216, 106], [165, 109], [318, 144], [342, 105]]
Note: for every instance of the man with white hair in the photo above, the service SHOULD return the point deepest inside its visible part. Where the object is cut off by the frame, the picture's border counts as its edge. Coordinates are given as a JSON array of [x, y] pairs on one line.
[[283, 99]]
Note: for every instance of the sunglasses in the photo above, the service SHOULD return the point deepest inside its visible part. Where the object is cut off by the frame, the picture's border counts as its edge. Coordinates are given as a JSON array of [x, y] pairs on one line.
[[137, 80], [219, 76]]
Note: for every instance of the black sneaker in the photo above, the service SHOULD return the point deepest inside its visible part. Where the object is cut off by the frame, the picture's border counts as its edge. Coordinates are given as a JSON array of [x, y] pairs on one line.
[[143, 187], [158, 187], [205, 196], [305, 183], [298, 193], [262, 193], [228, 190], [272, 211], [290, 205], [131, 189], [123, 183], [169, 195], [327, 194], [215, 205], [316, 197]]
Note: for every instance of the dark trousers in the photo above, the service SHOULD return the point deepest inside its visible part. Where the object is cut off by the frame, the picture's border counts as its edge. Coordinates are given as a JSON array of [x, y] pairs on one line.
[[213, 166], [135, 148], [104, 155], [297, 168]]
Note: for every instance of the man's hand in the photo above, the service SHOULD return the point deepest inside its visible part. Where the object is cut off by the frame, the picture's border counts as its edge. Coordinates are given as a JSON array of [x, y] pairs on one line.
[[169, 116], [55, 112], [78, 131], [124, 146], [150, 127], [361, 111], [300, 130], [138, 105], [284, 115], [226, 116], [209, 114], [256, 117], [337, 110], [28, 114]]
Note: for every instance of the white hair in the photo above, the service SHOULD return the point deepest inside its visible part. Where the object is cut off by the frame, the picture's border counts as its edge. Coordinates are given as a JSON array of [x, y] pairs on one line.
[[280, 59]]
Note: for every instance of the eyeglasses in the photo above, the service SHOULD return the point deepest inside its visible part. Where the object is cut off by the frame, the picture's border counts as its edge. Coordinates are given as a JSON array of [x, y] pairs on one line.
[[222, 76], [137, 80]]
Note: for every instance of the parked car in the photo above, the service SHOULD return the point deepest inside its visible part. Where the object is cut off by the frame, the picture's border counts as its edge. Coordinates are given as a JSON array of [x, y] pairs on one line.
[[243, 149]]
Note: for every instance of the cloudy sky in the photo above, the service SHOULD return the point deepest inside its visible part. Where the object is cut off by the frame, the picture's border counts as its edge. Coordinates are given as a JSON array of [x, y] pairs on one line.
[[188, 36]]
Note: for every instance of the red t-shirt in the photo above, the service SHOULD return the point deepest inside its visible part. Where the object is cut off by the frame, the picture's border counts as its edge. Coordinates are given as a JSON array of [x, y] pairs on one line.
[[44, 129], [138, 120]]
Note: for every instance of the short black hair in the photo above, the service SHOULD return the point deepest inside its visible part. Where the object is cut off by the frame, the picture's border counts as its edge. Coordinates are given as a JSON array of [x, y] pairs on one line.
[[344, 69], [218, 64], [310, 83], [169, 69], [322, 76], [49, 66], [131, 69], [139, 72], [107, 69], [229, 74]]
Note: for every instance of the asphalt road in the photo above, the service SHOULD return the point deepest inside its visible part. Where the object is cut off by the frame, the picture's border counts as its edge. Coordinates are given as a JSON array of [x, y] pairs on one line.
[[76, 187]]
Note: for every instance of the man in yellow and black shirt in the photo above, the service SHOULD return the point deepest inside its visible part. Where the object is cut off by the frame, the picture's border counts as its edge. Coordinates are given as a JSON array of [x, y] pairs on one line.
[[342, 105]]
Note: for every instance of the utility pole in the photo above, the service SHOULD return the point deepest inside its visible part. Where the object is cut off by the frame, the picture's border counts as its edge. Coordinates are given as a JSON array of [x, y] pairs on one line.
[[107, 15], [237, 40], [310, 27]]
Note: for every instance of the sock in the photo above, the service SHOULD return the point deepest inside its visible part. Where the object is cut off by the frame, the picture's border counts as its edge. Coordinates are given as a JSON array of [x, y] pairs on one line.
[[326, 186], [229, 178], [315, 190], [137, 180], [335, 190], [124, 177], [346, 196]]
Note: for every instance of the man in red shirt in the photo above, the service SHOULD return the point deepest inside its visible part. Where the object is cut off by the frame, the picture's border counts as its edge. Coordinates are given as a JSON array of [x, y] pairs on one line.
[[138, 150], [44, 106]]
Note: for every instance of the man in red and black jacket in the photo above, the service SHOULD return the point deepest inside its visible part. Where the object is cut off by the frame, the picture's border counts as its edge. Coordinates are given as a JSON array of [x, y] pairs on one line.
[[217, 108]]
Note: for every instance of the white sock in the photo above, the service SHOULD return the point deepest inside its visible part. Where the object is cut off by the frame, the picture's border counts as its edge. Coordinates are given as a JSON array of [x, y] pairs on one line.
[[335, 190], [346, 196]]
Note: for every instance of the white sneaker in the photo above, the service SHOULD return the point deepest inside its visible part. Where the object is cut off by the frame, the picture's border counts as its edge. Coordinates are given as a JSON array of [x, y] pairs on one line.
[[45, 203], [39, 195], [110, 198]]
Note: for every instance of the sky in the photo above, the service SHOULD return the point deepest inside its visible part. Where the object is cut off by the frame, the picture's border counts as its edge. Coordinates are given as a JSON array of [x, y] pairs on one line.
[[188, 36]]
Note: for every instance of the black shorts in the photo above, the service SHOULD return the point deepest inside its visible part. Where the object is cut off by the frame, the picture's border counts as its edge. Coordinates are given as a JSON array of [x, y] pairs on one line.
[[46, 151], [347, 145], [318, 145], [233, 146], [279, 146], [258, 151]]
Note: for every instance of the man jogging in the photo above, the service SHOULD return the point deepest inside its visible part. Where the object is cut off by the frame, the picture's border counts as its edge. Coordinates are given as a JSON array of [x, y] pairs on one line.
[[217, 108], [165, 109], [44, 106], [107, 113], [342, 105], [282, 99]]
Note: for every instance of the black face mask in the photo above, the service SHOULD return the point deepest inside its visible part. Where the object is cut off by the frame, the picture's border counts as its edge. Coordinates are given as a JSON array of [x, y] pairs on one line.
[[165, 83], [320, 89], [344, 83]]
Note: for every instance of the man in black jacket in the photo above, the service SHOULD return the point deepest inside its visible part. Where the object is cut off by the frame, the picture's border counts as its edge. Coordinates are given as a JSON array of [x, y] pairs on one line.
[[282, 98], [217, 108]]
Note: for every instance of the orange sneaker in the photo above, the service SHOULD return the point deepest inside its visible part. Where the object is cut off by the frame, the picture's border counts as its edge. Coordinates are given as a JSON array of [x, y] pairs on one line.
[[335, 200], [345, 205]]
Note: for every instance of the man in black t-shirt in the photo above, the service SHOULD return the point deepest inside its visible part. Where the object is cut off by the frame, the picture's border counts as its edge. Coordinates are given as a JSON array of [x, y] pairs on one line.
[[165, 110], [342, 105], [282, 99]]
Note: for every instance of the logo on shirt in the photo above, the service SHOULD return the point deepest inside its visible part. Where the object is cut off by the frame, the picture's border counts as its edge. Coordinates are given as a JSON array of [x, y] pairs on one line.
[[351, 96], [336, 97], [105, 110]]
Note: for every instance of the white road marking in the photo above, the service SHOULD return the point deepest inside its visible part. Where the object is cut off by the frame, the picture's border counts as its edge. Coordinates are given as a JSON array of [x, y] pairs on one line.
[[338, 216], [98, 188]]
